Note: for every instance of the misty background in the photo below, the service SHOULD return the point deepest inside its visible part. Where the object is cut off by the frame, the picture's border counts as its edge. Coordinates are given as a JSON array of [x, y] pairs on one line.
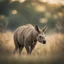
[[15, 13]]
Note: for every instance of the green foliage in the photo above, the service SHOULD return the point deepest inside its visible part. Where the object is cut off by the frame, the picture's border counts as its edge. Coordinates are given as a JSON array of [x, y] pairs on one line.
[[3, 23], [31, 12]]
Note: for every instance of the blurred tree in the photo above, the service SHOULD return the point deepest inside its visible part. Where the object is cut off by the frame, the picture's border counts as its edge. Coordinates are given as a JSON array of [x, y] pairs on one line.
[[3, 23], [32, 11], [4, 7]]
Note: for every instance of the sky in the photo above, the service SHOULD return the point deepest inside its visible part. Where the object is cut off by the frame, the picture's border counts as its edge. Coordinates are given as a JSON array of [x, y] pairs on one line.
[[49, 1], [54, 1]]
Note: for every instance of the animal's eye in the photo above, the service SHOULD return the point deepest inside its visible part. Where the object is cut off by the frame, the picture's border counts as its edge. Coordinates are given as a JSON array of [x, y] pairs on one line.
[[40, 36]]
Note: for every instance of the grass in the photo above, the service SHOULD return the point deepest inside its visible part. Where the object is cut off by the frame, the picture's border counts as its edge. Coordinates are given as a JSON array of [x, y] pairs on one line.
[[50, 53]]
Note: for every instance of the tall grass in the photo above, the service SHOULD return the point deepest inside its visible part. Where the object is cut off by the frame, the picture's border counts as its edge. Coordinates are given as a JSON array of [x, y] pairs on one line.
[[54, 47]]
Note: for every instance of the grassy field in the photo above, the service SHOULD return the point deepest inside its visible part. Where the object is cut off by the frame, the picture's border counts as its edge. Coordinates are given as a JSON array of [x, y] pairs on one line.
[[50, 53]]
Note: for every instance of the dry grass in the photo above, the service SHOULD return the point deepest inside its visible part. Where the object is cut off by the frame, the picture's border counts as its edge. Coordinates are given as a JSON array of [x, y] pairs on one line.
[[53, 49], [6, 42]]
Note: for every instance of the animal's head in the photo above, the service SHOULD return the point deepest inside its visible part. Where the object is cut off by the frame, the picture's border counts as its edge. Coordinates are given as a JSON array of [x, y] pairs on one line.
[[41, 36]]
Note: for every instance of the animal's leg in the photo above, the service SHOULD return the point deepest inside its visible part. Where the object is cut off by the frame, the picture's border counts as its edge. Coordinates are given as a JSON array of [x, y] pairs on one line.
[[32, 47], [28, 48], [16, 46], [20, 49]]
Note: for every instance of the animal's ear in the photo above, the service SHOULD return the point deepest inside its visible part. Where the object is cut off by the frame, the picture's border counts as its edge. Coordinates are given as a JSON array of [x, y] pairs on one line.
[[45, 28], [37, 28]]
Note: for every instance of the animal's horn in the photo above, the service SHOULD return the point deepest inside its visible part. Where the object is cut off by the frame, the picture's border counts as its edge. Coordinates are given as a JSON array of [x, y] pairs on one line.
[[45, 28]]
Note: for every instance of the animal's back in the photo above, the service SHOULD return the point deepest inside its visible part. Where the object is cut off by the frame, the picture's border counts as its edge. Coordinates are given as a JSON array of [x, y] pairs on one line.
[[24, 33]]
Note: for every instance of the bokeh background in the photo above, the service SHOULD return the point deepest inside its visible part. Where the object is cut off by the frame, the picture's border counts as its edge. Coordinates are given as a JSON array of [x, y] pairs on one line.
[[15, 13]]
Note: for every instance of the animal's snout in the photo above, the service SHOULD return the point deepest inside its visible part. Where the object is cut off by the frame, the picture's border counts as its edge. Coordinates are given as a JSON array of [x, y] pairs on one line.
[[44, 41]]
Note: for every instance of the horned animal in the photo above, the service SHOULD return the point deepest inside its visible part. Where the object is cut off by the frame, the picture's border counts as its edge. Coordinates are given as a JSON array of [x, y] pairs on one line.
[[27, 36]]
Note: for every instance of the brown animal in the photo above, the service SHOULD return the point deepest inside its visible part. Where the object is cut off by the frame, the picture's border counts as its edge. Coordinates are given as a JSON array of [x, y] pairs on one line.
[[27, 36]]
